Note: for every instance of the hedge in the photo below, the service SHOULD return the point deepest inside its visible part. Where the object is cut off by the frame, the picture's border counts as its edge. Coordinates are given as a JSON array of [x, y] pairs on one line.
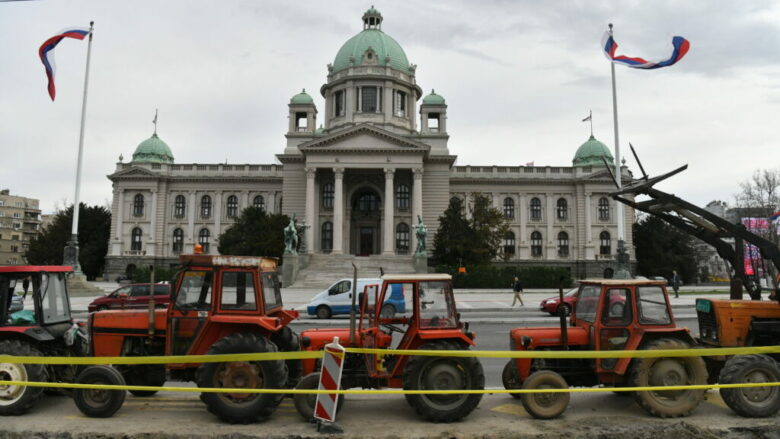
[[142, 275], [489, 276]]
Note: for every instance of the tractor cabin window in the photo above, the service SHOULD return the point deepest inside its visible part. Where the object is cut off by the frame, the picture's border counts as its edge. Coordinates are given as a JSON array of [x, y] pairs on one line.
[[195, 290], [238, 291], [651, 303], [587, 303], [437, 309], [271, 293], [617, 308], [54, 299]]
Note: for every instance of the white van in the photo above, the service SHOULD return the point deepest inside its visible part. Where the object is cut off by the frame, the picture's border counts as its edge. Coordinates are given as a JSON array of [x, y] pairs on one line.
[[337, 298]]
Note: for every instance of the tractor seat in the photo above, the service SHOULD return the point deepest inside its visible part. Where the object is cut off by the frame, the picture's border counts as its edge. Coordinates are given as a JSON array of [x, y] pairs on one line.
[[616, 343]]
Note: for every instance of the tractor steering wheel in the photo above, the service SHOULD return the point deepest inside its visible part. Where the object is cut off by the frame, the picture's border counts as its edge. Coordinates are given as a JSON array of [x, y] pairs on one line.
[[392, 328]]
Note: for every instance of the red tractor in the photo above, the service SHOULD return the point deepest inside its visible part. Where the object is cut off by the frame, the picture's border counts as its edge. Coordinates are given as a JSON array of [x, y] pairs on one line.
[[610, 315], [428, 320], [35, 324], [220, 305]]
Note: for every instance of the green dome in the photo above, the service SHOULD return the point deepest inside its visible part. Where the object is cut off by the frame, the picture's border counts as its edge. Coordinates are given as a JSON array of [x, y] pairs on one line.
[[372, 38], [591, 152], [302, 98], [433, 99], [153, 150]]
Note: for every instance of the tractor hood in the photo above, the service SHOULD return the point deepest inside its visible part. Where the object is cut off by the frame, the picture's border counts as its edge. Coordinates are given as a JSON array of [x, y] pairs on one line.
[[315, 339], [550, 336]]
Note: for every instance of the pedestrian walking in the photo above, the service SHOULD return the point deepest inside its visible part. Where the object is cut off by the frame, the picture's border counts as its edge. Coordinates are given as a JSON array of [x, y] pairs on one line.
[[675, 283], [26, 284], [517, 287]]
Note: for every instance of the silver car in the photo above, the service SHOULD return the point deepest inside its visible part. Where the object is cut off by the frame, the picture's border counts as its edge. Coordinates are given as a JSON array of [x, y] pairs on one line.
[[16, 303]]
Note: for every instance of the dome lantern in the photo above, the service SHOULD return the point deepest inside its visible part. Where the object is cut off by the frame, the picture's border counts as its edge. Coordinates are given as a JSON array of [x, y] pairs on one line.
[[372, 19]]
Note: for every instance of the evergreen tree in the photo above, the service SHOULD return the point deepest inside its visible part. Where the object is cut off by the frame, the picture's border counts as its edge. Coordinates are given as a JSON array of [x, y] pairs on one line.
[[474, 241], [449, 243], [255, 233], [94, 229], [661, 248]]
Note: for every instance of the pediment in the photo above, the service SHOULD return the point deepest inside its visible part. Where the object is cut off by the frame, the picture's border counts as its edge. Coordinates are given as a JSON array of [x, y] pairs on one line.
[[364, 138], [134, 172]]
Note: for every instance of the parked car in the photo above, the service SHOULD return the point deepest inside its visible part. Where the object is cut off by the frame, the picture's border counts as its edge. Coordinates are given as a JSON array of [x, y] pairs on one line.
[[133, 296], [552, 304], [16, 303], [337, 299]]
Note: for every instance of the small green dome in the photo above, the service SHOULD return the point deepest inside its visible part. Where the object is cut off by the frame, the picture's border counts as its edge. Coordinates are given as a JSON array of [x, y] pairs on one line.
[[372, 38], [302, 98], [153, 150], [591, 152], [433, 99], [319, 131]]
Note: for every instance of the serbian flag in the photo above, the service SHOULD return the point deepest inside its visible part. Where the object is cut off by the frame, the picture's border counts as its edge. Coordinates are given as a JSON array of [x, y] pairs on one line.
[[774, 216], [681, 46], [46, 52]]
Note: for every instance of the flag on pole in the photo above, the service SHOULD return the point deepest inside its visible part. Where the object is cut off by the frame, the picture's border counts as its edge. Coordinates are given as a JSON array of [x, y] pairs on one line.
[[775, 216], [46, 52], [590, 116], [681, 46]]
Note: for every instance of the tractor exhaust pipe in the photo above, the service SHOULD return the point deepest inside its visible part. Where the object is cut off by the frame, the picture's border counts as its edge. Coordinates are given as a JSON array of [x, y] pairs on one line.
[[151, 304], [352, 309]]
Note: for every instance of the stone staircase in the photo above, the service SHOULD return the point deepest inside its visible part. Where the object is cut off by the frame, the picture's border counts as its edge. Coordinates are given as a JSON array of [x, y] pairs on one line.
[[323, 270]]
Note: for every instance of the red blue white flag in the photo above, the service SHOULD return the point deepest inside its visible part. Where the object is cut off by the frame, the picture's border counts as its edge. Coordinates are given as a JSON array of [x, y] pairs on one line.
[[774, 216], [46, 52], [681, 46]]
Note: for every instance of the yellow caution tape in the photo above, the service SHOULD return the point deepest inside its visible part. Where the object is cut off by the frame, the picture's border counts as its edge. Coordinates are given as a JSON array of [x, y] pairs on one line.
[[387, 391], [171, 359]]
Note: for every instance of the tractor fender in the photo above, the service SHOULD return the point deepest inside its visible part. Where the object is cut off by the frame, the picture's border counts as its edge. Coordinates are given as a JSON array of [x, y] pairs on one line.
[[455, 335], [654, 334], [31, 332]]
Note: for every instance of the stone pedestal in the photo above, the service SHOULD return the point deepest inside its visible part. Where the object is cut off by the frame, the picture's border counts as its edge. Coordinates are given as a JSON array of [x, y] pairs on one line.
[[290, 269], [420, 263]]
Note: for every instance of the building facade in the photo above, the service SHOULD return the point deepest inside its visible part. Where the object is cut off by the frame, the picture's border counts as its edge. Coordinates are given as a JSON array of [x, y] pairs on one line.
[[362, 180], [20, 221]]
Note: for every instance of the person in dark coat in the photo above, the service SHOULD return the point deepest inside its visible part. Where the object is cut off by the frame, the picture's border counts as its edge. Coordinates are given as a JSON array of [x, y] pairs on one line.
[[675, 283], [517, 287]]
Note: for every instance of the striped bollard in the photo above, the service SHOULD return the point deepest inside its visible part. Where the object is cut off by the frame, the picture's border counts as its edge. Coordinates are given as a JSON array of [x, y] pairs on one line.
[[330, 379]]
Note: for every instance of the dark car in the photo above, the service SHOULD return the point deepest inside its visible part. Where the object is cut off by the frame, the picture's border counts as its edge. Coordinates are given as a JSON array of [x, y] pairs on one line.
[[552, 304], [133, 296]]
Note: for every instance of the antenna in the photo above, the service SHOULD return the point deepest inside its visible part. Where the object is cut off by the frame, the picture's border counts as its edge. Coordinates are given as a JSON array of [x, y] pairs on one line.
[[641, 168], [614, 180]]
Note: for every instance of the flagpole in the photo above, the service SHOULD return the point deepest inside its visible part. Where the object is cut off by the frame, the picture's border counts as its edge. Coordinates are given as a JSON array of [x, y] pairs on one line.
[[72, 248]]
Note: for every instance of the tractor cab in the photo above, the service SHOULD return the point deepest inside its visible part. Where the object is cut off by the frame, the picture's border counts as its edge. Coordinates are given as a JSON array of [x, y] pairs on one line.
[[34, 301]]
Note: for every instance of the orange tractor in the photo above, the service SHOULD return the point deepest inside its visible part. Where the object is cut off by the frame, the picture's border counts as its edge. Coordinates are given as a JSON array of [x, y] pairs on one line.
[[219, 305], [430, 321], [609, 315]]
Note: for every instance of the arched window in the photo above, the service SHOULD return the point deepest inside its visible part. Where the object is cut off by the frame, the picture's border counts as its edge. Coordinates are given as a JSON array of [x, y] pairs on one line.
[[603, 209], [509, 208], [536, 244], [402, 195], [536, 209], [562, 209], [138, 205], [605, 246], [327, 195], [402, 238], [179, 206], [509, 242], [205, 207], [232, 206], [327, 236], [178, 241], [135, 241], [259, 201], [367, 202], [563, 244], [203, 239]]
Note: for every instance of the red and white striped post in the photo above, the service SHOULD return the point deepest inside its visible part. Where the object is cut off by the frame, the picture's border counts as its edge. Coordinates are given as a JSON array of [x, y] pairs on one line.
[[330, 379]]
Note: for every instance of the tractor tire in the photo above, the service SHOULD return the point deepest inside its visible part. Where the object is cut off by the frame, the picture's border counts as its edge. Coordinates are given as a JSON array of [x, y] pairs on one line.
[[387, 312], [545, 405], [144, 375], [99, 403], [511, 378], [242, 408], [17, 400], [751, 402], [443, 373], [304, 402], [288, 341], [668, 371], [323, 312]]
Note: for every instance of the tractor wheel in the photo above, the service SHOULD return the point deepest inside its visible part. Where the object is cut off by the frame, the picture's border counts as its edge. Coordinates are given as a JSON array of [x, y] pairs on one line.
[[545, 405], [323, 312], [17, 400], [304, 402], [387, 312], [144, 375], [443, 373], [287, 341], [511, 378], [751, 402], [666, 371], [242, 407], [99, 403]]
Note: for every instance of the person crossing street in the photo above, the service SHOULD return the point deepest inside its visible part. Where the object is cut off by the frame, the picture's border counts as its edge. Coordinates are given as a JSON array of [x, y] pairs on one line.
[[517, 287]]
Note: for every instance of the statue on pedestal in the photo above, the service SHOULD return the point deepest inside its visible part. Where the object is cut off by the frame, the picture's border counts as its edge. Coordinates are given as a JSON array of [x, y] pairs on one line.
[[421, 231], [291, 238]]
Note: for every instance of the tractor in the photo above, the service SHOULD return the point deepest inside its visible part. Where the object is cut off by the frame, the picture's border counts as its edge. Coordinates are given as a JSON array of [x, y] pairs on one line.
[[43, 328], [220, 305], [610, 314], [427, 321]]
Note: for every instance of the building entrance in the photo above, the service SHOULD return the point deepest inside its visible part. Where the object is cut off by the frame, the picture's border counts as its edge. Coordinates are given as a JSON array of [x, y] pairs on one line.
[[365, 218], [366, 246]]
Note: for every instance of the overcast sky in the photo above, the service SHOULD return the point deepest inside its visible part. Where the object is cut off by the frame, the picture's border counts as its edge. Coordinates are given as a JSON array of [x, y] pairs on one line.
[[518, 77]]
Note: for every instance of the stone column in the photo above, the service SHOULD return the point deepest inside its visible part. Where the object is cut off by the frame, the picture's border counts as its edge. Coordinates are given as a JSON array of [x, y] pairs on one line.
[[153, 227], [588, 219], [310, 208], [417, 205], [244, 202], [191, 221], [552, 248], [217, 220], [270, 204], [523, 212], [338, 211], [389, 214], [120, 214]]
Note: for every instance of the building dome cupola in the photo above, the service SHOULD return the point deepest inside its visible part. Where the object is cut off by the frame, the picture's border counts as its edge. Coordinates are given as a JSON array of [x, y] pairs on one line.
[[372, 19], [153, 150], [302, 98], [591, 152], [302, 114], [433, 114]]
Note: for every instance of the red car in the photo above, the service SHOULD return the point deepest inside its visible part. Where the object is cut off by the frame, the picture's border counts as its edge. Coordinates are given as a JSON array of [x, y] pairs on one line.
[[552, 304], [133, 296]]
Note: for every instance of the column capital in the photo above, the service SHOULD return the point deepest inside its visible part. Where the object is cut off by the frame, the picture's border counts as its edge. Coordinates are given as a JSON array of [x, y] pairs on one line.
[[389, 173], [418, 173], [311, 172], [338, 173]]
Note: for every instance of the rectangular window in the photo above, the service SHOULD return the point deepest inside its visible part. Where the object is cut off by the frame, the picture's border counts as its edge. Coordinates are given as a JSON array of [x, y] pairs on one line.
[[587, 303], [271, 293], [437, 309], [369, 103], [195, 290], [17, 215], [238, 290], [652, 306], [400, 104], [339, 102]]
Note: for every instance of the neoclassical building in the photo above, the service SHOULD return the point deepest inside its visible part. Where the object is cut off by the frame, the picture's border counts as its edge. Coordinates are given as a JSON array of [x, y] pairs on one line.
[[378, 161]]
